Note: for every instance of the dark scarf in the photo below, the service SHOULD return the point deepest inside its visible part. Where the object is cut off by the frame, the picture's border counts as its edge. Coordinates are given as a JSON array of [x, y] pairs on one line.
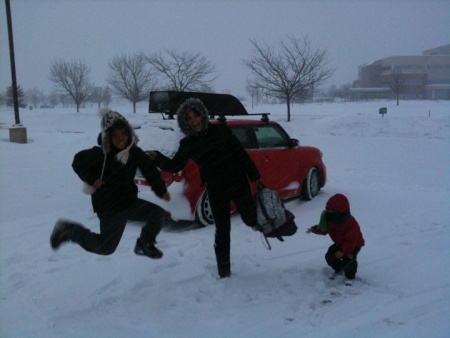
[[332, 218]]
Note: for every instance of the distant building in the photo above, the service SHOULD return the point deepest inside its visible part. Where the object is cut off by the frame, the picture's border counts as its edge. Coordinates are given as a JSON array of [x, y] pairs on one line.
[[425, 76]]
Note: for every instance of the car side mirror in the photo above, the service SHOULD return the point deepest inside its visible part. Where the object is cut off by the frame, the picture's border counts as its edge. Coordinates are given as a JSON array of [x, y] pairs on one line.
[[294, 143]]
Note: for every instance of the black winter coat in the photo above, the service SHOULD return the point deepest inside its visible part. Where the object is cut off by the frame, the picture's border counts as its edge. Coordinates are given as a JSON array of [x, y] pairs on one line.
[[119, 191], [218, 153]]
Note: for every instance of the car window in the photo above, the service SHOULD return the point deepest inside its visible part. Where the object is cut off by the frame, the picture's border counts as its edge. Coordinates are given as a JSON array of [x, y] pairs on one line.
[[271, 136], [245, 135]]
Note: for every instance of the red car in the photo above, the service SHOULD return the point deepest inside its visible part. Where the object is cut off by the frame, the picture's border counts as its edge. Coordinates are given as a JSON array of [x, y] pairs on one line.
[[285, 166]]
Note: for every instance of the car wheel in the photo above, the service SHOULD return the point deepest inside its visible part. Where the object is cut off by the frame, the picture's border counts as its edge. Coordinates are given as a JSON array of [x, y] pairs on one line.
[[311, 185], [203, 213]]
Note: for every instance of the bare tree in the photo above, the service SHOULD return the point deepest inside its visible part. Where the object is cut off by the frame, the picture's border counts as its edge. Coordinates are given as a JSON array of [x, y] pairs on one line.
[[20, 97], [107, 97], [96, 96], [43, 98], [72, 78], [64, 99], [183, 71], [290, 72], [2, 99], [34, 96], [344, 91], [130, 78], [396, 82], [101, 95], [53, 99], [254, 93]]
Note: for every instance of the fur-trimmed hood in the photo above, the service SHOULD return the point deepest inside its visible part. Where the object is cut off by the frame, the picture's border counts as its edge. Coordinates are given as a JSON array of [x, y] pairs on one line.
[[110, 119], [197, 106]]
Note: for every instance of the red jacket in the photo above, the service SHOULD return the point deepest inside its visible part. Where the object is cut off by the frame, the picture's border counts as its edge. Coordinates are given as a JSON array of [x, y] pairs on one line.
[[346, 235], [341, 226]]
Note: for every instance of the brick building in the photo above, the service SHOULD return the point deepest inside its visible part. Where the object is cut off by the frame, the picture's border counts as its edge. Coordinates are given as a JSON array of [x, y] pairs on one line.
[[425, 76]]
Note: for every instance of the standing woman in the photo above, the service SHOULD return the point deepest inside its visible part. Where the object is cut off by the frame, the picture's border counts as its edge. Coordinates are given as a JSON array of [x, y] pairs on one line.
[[225, 169]]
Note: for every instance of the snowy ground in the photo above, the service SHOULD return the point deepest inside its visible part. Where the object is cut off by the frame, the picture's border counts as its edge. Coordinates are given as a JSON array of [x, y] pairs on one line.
[[394, 169]]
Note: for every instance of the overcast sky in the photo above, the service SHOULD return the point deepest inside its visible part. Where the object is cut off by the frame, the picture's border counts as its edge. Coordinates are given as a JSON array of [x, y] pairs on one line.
[[94, 31]]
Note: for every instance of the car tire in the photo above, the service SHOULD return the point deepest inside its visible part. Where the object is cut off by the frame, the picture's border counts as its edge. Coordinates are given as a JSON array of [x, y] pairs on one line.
[[203, 213], [311, 185]]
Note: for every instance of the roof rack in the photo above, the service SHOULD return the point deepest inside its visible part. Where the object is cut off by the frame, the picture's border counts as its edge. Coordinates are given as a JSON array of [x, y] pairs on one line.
[[264, 117]]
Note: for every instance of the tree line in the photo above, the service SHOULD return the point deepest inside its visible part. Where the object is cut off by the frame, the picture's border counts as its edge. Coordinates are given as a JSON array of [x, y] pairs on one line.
[[289, 70]]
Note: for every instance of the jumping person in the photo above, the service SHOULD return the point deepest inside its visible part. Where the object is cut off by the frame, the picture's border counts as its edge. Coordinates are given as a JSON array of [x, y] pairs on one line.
[[108, 172]]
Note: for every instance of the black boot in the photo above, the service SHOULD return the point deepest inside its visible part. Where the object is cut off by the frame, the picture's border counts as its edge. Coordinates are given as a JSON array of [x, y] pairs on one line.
[[223, 262], [147, 249], [61, 233], [350, 267], [224, 270]]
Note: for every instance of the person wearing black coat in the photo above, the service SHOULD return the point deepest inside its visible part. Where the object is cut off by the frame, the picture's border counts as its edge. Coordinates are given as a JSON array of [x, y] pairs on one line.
[[108, 172], [225, 169]]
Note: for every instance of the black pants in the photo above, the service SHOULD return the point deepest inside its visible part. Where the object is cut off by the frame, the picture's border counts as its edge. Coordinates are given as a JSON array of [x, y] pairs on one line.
[[348, 264], [220, 197], [112, 226]]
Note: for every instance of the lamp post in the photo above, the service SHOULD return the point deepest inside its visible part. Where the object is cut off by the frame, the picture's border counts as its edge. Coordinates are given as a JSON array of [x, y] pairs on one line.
[[17, 133]]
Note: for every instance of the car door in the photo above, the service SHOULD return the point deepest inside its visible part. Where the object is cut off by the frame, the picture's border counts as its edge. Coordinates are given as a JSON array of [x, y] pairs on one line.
[[268, 147], [276, 160]]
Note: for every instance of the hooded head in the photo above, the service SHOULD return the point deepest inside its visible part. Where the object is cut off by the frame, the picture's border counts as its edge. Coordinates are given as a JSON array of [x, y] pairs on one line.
[[338, 203], [198, 108], [111, 120], [338, 209]]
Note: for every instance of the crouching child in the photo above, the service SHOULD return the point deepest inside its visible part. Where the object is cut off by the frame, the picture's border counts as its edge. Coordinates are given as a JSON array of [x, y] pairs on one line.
[[337, 221]]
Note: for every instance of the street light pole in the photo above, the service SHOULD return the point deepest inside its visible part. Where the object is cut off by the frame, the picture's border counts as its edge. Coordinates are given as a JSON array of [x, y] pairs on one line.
[[17, 133], [13, 62]]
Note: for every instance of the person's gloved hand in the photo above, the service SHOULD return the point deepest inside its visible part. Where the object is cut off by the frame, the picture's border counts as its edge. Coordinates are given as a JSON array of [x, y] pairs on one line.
[[152, 154], [98, 183]]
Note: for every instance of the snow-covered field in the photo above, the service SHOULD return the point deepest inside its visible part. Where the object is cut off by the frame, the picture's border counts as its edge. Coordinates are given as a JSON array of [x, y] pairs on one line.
[[394, 169]]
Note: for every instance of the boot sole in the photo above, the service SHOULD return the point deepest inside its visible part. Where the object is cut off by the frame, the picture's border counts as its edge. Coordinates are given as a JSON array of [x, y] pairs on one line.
[[140, 253]]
